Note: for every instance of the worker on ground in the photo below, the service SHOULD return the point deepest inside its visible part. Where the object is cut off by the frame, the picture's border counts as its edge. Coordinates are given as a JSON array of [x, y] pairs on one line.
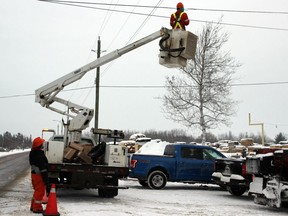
[[39, 174], [179, 19]]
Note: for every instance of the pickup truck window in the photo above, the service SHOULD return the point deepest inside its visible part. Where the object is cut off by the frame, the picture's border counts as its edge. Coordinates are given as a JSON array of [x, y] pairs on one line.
[[193, 153], [210, 154], [169, 151]]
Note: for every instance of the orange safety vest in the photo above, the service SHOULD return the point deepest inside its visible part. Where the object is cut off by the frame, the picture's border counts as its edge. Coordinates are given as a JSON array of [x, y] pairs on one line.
[[178, 20]]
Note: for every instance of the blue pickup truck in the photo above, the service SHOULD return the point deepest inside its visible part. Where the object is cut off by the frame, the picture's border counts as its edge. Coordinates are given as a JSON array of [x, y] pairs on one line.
[[178, 163]]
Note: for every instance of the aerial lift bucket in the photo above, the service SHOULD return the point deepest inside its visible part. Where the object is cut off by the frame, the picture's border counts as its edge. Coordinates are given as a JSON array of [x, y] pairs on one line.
[[177, 49]]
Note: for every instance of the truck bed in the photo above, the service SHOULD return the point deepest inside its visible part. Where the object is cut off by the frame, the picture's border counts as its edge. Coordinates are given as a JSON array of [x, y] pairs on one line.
[[228, 166]]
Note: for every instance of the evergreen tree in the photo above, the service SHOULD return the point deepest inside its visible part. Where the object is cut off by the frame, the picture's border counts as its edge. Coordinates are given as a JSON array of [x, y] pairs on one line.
[[279, 137]]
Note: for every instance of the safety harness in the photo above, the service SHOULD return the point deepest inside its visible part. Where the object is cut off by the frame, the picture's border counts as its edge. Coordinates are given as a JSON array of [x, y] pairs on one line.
[[178, 20]]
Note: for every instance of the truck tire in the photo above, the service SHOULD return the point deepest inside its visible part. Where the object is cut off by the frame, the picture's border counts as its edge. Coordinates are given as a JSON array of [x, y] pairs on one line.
[[157, 180], [107, 192], [144, 183], [110, 187], [236, 190]]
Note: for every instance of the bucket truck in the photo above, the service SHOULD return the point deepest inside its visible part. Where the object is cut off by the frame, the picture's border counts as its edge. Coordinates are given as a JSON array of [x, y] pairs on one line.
[[176, 46]]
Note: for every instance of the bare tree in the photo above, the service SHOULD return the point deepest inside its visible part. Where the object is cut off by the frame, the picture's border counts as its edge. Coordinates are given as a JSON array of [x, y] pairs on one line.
[[200, 96]]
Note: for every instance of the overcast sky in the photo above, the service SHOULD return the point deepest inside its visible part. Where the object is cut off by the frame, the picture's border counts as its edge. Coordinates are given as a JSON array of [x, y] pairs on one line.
[[40, 42]]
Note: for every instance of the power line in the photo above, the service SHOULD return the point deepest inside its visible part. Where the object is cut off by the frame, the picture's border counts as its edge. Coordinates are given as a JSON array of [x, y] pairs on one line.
[[172, 8], [106, 20], [258, 84], [104, 24], [15, 96], [240, 11], [120, 29], [136, 32], [166, 17], [147, 87], [145, 21]]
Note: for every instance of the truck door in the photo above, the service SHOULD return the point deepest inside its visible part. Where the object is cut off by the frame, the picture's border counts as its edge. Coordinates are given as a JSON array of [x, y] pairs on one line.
[[208, 164], [189, 164], [209, 156]]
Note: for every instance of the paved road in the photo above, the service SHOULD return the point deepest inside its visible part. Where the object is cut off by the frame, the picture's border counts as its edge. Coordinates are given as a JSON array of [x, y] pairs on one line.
[[12, 167]]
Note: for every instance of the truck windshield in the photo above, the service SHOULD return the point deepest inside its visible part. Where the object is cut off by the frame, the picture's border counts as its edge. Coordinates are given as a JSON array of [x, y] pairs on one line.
[[211, 154]]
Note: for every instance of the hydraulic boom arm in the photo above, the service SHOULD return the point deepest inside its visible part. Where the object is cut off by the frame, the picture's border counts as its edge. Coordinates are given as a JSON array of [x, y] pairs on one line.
[[81, 116], [47, 94]]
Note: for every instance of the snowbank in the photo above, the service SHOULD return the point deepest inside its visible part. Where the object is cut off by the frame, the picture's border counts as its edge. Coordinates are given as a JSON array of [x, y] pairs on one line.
[[14, 151]]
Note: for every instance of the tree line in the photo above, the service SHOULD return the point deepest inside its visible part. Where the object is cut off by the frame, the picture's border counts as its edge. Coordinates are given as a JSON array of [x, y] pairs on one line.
[[10, 141], [179, 135]]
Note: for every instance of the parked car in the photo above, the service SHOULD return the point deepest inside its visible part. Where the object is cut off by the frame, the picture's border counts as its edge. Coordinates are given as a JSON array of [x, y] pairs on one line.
[[178, 163]]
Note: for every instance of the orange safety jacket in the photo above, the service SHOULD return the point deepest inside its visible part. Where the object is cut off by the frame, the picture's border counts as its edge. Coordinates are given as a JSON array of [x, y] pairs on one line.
[[179, 20]]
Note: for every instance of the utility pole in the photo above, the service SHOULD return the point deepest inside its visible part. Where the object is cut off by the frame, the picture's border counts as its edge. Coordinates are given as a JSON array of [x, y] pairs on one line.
[[97, 83]]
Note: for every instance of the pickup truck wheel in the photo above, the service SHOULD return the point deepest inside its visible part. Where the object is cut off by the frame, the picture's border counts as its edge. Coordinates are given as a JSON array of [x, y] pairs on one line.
[[144, 183], [236, 191], [157, 180]]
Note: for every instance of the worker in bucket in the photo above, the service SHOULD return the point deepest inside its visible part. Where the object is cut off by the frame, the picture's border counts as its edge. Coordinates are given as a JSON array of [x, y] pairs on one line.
[[39, 174], [179, 19]]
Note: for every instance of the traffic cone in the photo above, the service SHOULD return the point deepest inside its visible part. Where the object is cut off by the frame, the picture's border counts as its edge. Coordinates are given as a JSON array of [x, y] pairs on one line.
[[51, 208], [45, 198]]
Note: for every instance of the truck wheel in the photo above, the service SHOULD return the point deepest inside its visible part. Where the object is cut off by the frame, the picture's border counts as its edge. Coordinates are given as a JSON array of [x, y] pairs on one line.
[[236, 191], [144, 183], [157, 180], [107, 192]]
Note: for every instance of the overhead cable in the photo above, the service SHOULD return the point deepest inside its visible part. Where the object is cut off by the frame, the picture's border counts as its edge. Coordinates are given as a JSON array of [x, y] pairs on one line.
[[145, 21], [167, 17], [172, 8], [149, 87], [106, 20], [138, 30]]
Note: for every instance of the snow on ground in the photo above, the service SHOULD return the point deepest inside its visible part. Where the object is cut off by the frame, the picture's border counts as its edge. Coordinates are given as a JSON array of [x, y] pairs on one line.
[[15, 151], [175, 199]]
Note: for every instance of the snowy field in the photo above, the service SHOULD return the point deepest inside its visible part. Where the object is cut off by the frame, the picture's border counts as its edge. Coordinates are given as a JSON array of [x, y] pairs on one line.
[[176, 199]]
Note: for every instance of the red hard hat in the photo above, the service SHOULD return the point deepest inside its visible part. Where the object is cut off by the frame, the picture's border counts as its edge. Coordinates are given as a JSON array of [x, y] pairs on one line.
[[179, 6], [37, 142]]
